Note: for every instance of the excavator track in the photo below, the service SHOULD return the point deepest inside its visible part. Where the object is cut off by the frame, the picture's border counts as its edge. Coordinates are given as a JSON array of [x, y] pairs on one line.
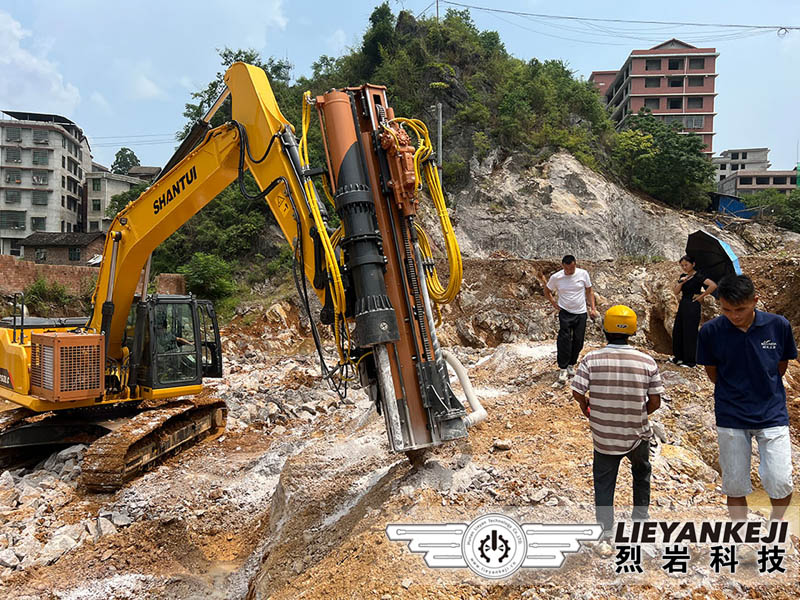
[[124, 453]]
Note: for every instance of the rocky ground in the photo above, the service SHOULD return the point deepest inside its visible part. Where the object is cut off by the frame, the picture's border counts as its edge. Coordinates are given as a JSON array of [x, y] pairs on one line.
[[294, 499]]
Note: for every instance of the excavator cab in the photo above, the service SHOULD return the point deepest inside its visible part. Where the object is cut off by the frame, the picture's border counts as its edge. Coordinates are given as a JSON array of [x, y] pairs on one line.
[[176, 342]]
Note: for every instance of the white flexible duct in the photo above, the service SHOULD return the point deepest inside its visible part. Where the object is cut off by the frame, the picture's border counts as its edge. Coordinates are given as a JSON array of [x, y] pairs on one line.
[[478, 413]]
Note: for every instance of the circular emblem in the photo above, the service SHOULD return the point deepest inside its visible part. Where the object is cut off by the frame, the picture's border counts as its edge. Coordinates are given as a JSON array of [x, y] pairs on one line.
[[494, 546]]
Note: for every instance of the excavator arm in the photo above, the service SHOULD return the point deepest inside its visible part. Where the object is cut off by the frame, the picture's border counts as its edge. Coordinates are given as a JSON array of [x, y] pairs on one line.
[[374, 276], [269, 151]]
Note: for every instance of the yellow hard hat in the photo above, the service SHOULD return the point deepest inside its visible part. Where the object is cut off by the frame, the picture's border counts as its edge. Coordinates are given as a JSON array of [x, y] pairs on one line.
[[620, 319]]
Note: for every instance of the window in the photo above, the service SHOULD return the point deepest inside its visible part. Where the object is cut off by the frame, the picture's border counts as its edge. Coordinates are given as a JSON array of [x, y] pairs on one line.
[[652, 82], [721, 177], [38, 223], [674, 103], [95, 204], [16, 248], [41, 255], [13, 134], [675, 64], [745, 181], [41, 157], [41, 136], [63, 182], [174, 342], [652, 103], [69, 227], [675, 82], [734, 167], [734, 156], [652, 64], [697, 63], [695, 122], [793, 180], [96, 183], [13, 176], [94, 225], [74, 254], [62, 226], [12, 219], [13, 196], [694, 102], [722, 167], [744, 155], [762, 180], [40, 197], [695, 81], [779, 181], [39, 177], [13, 155]]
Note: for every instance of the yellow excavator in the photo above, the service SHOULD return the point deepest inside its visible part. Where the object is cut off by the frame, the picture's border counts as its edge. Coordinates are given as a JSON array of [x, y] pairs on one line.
[[127, 378]]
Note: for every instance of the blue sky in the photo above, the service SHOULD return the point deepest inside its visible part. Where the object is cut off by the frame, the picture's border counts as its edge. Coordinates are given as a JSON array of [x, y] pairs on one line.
[[123, 72]]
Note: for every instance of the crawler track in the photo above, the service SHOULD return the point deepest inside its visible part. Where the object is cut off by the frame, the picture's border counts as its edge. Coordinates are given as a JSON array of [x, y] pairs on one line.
[[124, 453]]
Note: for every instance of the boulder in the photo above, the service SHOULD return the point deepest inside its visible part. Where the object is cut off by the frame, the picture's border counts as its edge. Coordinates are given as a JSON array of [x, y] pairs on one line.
[[55, 549]]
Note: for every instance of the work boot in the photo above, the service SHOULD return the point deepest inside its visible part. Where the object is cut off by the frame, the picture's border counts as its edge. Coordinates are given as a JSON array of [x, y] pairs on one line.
[[571, 370], [562, 376]]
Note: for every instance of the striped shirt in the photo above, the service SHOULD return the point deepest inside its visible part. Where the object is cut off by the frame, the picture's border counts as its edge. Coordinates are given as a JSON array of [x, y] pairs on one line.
[[618, 379]]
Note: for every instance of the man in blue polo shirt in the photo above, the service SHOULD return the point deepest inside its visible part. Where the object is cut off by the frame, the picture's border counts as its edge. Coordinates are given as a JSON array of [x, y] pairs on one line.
[[745, 353]]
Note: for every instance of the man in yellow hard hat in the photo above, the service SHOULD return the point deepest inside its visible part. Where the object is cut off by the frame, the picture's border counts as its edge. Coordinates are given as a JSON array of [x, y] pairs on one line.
[[617, 387]]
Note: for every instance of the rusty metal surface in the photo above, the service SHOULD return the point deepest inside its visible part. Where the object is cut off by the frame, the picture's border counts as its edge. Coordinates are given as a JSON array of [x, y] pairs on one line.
[[120, 455]]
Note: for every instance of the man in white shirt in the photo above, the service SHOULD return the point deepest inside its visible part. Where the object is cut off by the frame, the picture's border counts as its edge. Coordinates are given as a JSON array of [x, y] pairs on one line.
[[574, 289]]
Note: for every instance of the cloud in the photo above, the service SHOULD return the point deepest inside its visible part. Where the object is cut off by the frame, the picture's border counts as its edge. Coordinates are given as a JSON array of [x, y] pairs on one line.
[[30, 81], [145, 89], [337, 41], [100, 101], [186, 83]]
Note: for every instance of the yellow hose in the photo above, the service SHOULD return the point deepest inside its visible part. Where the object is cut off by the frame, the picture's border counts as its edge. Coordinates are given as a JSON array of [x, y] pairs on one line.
[[335, 282], [437, 291]]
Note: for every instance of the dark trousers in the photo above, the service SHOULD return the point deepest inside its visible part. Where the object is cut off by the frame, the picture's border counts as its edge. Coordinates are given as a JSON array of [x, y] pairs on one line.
[[684, 332], [605, 469], [571, 331]]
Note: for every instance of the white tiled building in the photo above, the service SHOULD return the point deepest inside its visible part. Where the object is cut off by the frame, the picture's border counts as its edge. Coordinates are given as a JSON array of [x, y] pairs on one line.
[[101, 186], [44, 160]]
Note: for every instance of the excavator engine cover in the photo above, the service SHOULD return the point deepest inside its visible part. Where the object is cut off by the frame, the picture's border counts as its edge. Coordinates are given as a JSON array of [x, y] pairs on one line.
[[67, 366]]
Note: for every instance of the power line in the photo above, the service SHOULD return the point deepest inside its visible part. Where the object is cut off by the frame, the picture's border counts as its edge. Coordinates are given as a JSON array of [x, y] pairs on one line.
[[127, 137], [780, 29]]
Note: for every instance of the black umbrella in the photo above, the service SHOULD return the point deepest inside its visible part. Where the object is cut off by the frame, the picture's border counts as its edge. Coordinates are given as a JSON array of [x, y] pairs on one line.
[[714, 258]]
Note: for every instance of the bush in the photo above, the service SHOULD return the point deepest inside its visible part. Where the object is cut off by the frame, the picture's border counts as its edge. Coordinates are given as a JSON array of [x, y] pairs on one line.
[[40, 296], [208, 276]]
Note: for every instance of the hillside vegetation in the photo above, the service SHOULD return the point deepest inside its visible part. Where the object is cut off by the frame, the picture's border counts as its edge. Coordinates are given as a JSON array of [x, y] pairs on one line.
[[492, 102]]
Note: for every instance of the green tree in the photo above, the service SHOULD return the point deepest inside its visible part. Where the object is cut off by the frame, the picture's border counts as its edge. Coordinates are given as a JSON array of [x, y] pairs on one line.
[[121, 200], [674, 169], [124, 159], [208, 276], [777, 207]]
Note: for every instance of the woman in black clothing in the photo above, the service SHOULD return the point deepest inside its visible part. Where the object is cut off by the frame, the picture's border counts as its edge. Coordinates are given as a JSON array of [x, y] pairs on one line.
[[684, 332]]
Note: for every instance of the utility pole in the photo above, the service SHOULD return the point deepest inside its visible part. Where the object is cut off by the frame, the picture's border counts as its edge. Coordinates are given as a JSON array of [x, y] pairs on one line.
[[437, 11]]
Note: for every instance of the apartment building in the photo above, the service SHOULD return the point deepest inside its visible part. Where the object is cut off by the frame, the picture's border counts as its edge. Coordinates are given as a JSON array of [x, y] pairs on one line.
[[674, 80], [101, 186], [741, 183], [43, 163], [741, 159]]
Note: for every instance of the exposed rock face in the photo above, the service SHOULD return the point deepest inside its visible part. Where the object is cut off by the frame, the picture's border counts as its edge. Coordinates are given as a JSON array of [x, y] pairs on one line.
[[562, 207]]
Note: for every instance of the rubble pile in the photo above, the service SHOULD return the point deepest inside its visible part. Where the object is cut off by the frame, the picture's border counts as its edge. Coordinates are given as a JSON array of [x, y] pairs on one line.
[[294, 498]]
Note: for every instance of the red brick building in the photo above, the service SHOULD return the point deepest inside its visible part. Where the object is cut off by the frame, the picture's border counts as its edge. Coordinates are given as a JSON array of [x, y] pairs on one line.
[[674, 80], [63, 248]]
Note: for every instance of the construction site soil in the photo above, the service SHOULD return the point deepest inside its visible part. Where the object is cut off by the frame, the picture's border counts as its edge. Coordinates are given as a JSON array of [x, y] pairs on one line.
[[294, 499]]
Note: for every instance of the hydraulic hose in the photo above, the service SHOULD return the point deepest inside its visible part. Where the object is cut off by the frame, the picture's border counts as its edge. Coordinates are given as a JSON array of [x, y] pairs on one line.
[[478, 413]]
